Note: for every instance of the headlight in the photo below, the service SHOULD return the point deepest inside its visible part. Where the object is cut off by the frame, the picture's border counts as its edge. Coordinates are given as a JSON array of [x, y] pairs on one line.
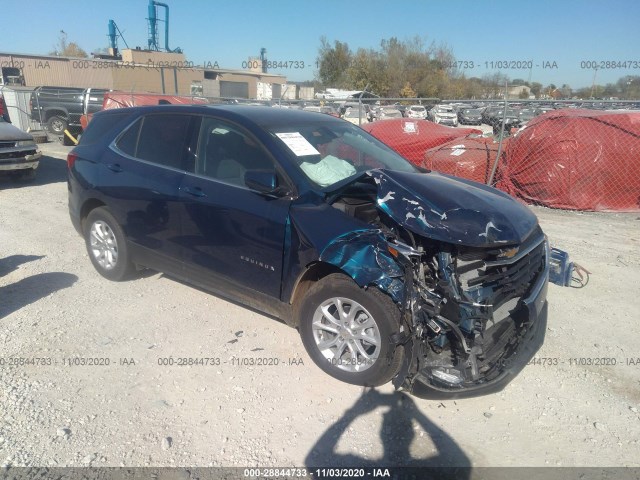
[[25, 143]]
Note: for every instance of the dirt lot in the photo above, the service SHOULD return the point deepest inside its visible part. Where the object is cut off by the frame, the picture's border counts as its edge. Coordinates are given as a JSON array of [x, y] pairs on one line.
[[137, 412]]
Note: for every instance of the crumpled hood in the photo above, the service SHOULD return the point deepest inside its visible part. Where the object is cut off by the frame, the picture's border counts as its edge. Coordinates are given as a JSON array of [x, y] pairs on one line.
[[452, 210], [8, 133]]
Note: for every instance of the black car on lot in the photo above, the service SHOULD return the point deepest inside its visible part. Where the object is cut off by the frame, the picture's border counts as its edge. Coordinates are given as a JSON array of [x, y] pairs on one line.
[[388, 272], [470, 116], [509, 119]]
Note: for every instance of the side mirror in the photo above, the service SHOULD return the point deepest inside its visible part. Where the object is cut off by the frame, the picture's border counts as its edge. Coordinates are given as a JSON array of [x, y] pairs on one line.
[[263, 181]]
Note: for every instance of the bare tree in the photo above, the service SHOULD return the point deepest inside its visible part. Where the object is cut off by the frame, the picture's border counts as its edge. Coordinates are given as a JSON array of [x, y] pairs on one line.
[[67, 49]]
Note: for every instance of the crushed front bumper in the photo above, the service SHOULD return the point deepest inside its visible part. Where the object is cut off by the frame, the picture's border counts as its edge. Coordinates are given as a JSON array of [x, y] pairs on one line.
[[535, 305]]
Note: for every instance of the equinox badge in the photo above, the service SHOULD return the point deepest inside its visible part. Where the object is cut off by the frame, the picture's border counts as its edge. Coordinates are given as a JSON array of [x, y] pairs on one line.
[[257, 263]]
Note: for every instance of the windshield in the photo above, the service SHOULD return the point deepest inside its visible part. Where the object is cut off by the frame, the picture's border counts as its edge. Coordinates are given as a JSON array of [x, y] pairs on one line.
[[330, 152]]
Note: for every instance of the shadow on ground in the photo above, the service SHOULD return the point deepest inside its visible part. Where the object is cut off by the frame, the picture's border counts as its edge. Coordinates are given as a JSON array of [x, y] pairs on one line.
[[10, 263], [31, 289], [50, 170], [398, 439]]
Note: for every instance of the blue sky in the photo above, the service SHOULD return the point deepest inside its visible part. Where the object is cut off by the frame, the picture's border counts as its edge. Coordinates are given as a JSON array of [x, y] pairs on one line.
[[566, 32]]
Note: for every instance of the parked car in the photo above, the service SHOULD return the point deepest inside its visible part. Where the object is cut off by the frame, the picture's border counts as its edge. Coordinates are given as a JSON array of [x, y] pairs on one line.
[[511, 120], [443, 114], [416, 111], [60, 108], [19, 154], [3, 110], [389, 272], [470, 116], [329, 110], [402, 108], [526, 114], [356, 116], [489, 112], [388, 112]]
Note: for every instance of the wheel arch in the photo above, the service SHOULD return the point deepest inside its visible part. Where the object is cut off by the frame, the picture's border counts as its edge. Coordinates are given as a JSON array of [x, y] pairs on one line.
[[56, 111], [312, 274], [88, 206]]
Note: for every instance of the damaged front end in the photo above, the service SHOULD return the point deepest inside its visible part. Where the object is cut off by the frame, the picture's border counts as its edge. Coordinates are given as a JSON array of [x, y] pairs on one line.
[[471, 284]]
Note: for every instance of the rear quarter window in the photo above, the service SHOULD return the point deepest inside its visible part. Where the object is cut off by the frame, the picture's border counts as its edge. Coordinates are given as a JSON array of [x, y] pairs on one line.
[[99, 127], [129, 139]]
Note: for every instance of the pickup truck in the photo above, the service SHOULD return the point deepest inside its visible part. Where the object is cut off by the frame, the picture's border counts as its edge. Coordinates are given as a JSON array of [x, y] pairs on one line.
[[60, 108]]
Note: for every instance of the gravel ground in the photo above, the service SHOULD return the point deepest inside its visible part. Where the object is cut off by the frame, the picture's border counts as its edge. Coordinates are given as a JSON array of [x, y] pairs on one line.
[[137, 412]]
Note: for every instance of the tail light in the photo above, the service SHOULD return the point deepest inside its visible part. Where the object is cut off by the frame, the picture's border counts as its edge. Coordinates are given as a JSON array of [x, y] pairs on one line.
[[71, 159]]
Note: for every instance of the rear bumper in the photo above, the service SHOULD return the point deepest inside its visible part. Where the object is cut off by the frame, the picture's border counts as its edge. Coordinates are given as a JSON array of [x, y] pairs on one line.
[[20, 163]]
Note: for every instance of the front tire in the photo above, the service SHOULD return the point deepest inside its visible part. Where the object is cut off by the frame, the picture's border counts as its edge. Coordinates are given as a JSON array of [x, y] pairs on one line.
[[347, 331], [107, 246]]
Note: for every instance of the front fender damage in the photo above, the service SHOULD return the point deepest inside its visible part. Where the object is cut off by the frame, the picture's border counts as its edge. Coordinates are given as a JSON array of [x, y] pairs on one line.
[[457, 339], [364, 255]]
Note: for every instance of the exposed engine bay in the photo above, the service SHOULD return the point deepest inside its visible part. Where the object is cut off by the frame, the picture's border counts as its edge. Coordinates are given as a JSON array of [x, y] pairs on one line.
[[463, 306]]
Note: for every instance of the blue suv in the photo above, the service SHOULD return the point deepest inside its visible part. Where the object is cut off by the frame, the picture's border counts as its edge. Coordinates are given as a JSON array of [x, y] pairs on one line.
[[389, 272]]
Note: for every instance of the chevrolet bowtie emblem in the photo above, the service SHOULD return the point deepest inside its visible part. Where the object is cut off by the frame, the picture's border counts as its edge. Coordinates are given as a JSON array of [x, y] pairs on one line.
[[509, 253]]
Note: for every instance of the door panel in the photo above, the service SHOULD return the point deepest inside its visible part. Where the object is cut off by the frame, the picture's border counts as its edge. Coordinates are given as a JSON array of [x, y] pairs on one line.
[[143, 193], [227, 229]]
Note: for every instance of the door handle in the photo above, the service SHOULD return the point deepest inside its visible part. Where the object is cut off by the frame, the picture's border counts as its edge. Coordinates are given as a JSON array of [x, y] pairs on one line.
[[114, 167], [193, 191]]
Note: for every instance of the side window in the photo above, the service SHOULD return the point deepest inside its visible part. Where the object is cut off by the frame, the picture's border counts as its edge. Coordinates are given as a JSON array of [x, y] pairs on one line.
[[226, 152], [163, 139]]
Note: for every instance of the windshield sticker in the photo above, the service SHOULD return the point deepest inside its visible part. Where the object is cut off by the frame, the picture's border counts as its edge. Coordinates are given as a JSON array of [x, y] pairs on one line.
[[299, 145]]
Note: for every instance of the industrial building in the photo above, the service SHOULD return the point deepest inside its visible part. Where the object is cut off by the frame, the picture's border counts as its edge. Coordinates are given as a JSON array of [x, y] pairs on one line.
[[142, 71]]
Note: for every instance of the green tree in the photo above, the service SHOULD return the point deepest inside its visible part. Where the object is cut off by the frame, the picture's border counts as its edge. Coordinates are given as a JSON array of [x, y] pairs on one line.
[[67, 49], [367, 69], [333, 63]]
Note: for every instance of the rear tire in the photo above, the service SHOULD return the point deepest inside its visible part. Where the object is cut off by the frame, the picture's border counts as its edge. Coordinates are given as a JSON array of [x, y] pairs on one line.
[[107, 246], [57, 125], [347, 331]]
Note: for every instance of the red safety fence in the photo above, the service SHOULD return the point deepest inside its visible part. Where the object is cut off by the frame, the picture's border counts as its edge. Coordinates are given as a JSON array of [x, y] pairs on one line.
[[470, 157], [411, 138], [124, 99], [576, 159]]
